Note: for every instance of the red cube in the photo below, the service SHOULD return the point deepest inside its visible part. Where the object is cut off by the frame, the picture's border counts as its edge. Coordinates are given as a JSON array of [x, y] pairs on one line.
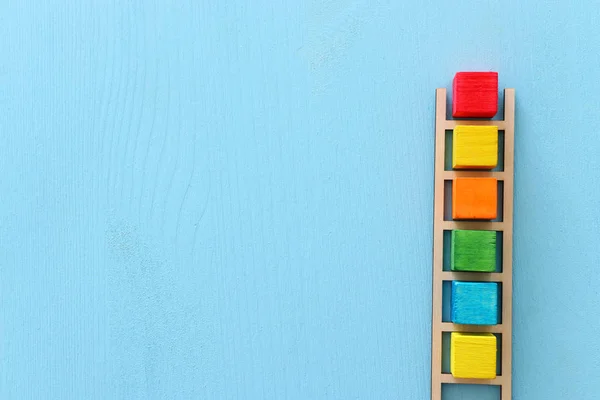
[[475, 95]]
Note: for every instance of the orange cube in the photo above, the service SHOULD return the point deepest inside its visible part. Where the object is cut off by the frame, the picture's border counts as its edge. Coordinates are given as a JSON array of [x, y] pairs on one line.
[[474, 198]]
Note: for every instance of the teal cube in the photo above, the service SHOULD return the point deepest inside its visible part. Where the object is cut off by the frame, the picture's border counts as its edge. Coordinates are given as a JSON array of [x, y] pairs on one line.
[[474, 303]]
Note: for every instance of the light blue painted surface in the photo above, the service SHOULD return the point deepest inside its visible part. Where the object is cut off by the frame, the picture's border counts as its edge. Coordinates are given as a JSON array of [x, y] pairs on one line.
[[224, 200]]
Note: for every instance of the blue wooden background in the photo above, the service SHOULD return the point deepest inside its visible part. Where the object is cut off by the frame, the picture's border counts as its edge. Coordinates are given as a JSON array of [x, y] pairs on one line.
[[233, 200]]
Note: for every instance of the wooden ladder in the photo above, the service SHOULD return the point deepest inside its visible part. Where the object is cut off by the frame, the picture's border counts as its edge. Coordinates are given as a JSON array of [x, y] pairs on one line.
[[442, 124]]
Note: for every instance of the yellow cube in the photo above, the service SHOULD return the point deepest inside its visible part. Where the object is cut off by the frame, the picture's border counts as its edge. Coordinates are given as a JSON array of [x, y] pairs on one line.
[[473, 355], [475, 147]]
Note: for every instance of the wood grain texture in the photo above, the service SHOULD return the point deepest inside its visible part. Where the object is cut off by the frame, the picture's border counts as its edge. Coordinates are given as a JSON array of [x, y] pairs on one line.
[[474, 303], [475, 94], [229, 200], [473, 355], [475, 147], [473, 250], [474, 198]]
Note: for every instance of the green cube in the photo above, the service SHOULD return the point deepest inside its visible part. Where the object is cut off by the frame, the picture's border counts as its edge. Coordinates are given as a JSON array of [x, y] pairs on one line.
[[473, 251]]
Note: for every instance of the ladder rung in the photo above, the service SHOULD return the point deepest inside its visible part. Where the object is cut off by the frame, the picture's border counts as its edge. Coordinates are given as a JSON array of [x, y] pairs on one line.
[[450, 327], [473, 276], [484, 225], [451, 124], [448, 175], [448, 378]]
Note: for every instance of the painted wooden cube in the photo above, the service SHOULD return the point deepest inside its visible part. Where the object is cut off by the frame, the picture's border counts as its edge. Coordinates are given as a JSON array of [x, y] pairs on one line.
[[474, 198], [473, 355], [473, 250], [475, 147], [475, 95], [474, 303]]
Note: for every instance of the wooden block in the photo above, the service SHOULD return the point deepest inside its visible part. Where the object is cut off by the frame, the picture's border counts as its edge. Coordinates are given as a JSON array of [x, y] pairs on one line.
[[474, 303], [475, 95], [472, 250], [474, 198], [473, 355], [475, 147]]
